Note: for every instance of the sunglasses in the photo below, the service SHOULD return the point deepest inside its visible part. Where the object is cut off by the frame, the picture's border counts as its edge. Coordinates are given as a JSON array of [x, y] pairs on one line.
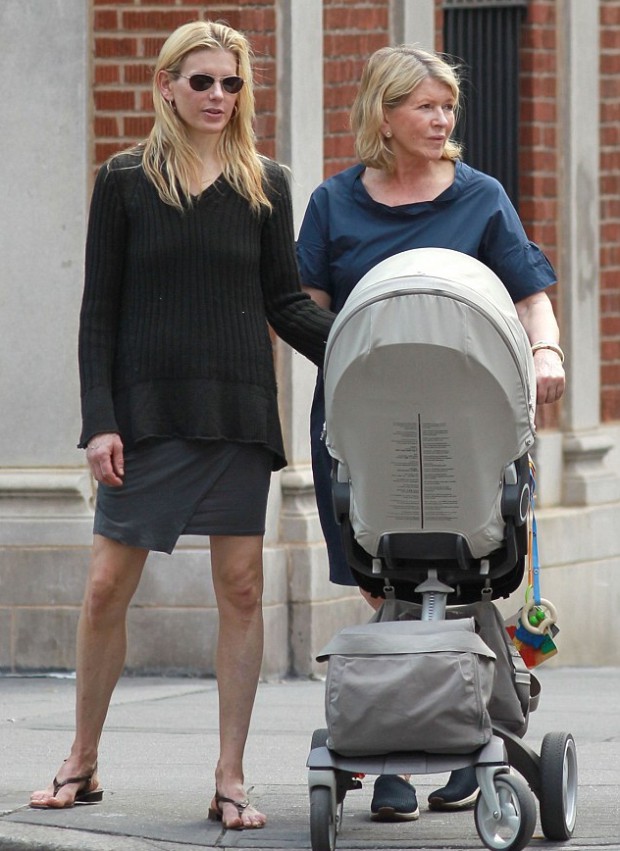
[[203, 82]]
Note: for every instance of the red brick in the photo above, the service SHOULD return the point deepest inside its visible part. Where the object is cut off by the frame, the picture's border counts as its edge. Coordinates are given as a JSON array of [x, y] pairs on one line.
[[610, 299], [103, 150], [610, 255], [610, 404], [109, 47], [267, 147], [375, 17], [355, 45], [112, 101], [159, 20], [106, 74], [609, 14], [540, 13], [152, 45], [610, 374], [106, 125], [137, 127], [610, 327], [339, 147], [105, 19], [610, 88]]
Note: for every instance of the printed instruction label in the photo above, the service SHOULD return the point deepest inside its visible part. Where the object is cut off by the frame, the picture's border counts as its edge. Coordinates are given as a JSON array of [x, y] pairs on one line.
[[423, 474]]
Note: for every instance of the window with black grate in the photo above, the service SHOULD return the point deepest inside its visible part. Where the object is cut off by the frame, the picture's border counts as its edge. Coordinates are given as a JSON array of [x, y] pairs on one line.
[[484, 37]]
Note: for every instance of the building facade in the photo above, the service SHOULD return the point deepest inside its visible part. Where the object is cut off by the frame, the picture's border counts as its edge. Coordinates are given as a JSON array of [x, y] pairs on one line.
[[80, 89]]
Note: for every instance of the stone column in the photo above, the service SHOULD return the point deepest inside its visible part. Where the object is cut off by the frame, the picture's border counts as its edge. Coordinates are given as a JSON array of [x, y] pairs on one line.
[[45, 491], [317, 609], [299, 146], [586, 478], [413, 22], [44, 178]]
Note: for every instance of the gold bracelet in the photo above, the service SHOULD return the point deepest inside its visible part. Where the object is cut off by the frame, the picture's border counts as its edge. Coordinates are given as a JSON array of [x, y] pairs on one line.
[[543, 344]]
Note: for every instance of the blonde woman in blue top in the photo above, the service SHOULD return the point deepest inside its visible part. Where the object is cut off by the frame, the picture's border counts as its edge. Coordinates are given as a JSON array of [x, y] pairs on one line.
[[411, 190]]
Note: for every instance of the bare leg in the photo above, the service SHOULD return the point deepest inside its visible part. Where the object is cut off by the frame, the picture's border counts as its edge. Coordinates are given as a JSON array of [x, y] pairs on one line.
[[237, 563], [114, 574]]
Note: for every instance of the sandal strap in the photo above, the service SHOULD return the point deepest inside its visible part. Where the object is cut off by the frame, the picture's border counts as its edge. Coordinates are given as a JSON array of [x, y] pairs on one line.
[[83, 780], [240, 805]]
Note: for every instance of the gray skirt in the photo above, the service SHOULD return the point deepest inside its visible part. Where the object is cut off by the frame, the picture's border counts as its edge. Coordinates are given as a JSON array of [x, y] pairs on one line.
[[185, 487]]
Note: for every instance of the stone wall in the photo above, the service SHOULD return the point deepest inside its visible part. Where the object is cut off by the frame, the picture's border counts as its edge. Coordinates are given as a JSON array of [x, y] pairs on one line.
[[53, 144]]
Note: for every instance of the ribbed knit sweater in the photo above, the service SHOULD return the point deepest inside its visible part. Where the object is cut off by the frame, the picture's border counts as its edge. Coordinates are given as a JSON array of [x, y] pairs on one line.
[[174, 340]]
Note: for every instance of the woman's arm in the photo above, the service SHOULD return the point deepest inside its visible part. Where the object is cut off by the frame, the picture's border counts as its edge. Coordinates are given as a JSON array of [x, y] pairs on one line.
[[536, 315], [293, 315], [105, 255], [320, 297]]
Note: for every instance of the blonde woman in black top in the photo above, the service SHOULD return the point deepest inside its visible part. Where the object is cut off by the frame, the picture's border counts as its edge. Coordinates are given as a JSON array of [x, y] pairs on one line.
[[190, 253]]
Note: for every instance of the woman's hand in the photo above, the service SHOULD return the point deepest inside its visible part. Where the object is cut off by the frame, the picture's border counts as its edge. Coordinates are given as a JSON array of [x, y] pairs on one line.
[[550, 377], [537, 317], [104, 454]]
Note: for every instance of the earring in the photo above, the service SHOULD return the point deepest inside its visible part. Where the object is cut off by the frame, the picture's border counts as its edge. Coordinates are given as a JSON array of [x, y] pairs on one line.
[[172, 105], [388, 134]]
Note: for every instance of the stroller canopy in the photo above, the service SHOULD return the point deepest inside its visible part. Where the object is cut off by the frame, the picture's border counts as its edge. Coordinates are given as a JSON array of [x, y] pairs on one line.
[[429, 397]]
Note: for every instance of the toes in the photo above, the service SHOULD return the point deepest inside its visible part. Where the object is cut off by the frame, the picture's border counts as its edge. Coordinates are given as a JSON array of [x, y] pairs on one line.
[[252, 818], [249, 819], [45, 800], [231, 819]]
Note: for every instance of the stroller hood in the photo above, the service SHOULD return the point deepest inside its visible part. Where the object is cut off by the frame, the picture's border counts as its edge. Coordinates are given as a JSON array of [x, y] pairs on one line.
[[429, 397]]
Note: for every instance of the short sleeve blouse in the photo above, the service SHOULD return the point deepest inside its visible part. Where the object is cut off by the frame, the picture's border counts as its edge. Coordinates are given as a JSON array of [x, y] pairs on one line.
[[345, 233]]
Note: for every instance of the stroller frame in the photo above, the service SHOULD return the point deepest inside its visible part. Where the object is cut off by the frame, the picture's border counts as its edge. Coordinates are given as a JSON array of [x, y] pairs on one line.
[[432, 566]]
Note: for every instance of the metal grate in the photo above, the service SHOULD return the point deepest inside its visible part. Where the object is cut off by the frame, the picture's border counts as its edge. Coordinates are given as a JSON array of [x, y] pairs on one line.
[[484, 36], [476, 4]]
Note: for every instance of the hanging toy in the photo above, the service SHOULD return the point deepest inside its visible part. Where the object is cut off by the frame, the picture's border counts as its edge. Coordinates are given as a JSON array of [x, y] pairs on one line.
[[533, 630]]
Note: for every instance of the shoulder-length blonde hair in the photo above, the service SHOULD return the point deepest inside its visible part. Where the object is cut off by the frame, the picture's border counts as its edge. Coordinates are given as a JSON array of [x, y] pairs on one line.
[[389, 77], [168, 158]]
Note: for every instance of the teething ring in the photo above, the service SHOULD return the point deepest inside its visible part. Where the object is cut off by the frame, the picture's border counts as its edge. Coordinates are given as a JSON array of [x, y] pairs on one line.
[[550, 616]]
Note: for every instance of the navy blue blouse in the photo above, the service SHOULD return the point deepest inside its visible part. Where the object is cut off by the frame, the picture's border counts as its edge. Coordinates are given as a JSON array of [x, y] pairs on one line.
[[345, 233]]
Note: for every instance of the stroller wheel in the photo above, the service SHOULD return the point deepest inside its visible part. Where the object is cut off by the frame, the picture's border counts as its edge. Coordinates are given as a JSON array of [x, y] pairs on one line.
[[558, 786], [324, 820], [512, 827]]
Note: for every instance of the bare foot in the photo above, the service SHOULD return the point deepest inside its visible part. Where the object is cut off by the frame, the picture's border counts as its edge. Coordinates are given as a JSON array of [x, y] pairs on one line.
[[69, 788], [235, 812]]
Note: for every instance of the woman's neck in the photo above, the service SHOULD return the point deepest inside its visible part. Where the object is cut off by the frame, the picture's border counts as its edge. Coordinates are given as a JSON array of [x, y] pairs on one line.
[[409, 183], [209, 166]]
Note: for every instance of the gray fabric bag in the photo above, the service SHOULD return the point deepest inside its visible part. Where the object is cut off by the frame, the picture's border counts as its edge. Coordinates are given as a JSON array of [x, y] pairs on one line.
[[516, 690], [408, 686]]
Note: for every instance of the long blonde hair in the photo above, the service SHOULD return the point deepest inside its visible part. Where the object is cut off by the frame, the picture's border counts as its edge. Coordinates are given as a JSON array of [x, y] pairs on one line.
[[389, 77], [168, 158]]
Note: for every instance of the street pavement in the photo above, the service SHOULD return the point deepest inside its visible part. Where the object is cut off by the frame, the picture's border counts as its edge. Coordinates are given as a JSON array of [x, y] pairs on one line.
[[159, 749]]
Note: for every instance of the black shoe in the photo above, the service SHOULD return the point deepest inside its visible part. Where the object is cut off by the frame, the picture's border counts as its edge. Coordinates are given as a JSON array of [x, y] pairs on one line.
[[459, 793], [394, 799]]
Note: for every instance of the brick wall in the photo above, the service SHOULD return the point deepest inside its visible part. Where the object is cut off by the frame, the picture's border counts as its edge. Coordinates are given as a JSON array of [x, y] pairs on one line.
[[538, 160], [610, 209], [128, 35], [353, 30]]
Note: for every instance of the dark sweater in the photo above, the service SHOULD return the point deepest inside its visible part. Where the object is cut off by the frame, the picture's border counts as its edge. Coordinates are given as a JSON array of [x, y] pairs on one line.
[[174, 339]]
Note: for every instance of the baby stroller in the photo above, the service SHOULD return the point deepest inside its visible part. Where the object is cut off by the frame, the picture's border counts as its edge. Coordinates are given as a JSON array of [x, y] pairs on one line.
[[429, 392]]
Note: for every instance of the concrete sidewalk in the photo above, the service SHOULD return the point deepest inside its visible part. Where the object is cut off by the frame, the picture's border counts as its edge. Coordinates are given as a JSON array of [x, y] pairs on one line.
[[159, 749]]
